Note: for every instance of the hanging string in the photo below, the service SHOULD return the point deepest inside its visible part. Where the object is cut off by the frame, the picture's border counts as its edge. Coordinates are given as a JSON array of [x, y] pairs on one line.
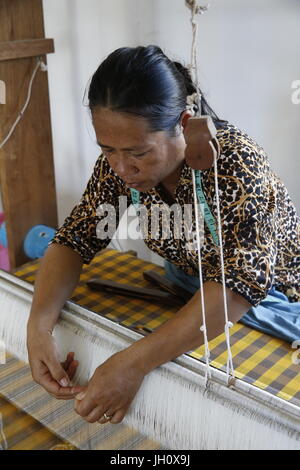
[[193, 68], [203, 326], [228, 324]]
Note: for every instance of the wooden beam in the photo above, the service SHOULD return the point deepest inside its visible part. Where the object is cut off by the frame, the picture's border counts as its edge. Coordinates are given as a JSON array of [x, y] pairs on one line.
[[29, 48], [27, 180]]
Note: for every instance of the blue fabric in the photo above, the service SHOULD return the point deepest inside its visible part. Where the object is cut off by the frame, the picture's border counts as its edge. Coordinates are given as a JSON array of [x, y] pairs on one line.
[[275, 315]]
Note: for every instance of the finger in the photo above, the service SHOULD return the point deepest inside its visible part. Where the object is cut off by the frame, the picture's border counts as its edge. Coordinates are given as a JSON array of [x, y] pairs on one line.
[[58, 373], [71, 370], [82, 393], [118, 416], [104, 420], [70, 357], [77, 389], [68, 362], [61, 397], [52, 387], [45, 379], [84, 406], [95, 415]]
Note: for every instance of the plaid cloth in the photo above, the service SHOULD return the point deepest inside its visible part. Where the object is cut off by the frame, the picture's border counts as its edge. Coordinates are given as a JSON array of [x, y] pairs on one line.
[[54, 418], [21, 432], [258, 359]]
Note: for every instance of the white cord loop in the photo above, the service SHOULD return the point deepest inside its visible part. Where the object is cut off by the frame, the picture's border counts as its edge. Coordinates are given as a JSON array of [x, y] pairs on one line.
[[40, 64], [228, 324]]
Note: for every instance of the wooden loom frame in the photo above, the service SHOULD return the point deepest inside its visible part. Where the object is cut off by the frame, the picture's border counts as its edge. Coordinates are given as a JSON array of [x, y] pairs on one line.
[[27, 179]]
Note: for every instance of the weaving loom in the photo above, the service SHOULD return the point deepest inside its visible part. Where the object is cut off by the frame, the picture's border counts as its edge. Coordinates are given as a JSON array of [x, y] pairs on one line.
[[176, 406], [173, 409]]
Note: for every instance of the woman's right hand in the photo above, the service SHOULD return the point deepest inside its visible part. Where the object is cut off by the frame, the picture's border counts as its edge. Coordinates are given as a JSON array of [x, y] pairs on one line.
[[54, 376]]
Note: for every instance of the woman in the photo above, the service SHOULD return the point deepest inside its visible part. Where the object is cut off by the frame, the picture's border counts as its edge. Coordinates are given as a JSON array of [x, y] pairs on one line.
[[138, 102]]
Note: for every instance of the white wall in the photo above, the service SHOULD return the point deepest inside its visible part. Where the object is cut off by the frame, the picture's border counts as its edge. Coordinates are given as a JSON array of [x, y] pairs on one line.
[[248, 58]]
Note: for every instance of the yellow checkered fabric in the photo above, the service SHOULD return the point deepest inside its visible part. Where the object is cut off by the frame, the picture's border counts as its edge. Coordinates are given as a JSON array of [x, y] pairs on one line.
[[22, 432], [53, 418]]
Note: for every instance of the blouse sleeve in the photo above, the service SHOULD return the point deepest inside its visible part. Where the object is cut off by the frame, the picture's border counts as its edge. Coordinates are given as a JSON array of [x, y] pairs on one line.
[[248, 215], [93, 221]]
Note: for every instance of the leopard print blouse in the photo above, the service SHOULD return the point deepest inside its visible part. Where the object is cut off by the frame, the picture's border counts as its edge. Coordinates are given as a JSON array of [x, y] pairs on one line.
[[260, 227]]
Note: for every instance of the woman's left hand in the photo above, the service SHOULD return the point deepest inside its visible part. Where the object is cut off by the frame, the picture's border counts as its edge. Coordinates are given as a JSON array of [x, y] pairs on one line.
[[110, 390]]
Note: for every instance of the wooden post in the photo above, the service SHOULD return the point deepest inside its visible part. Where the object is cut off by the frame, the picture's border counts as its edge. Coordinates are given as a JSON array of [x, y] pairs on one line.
[[27, 178]]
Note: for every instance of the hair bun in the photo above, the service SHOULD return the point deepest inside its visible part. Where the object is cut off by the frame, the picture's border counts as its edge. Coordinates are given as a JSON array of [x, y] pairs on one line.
[[190, 87]]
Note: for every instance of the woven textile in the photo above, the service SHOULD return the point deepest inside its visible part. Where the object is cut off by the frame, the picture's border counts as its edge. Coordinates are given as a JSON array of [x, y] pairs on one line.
[[23, 432]]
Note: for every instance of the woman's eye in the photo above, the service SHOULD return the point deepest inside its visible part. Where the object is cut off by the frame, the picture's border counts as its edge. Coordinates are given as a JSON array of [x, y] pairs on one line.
[[110, 152], [140, 154]]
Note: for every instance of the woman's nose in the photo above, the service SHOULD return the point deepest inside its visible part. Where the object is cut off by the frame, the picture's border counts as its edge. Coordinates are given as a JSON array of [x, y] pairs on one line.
[[124, 169]]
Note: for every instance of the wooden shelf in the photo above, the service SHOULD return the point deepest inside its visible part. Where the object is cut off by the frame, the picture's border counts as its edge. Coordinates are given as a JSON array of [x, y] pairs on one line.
[[28, 48]]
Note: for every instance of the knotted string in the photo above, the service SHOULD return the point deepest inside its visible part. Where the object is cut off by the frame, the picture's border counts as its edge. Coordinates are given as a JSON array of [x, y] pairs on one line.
[[193, 68], [228, 324]]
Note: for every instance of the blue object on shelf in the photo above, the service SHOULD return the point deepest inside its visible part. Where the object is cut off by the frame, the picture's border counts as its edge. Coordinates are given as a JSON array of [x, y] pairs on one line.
[[36, 241], [3, 236]]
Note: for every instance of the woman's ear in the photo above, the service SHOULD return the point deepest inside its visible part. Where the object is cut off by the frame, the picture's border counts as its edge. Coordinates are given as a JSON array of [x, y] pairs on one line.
[[185, 116]]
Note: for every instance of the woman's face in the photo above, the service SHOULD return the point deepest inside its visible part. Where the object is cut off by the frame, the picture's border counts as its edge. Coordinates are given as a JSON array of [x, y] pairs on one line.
[[140, 158]]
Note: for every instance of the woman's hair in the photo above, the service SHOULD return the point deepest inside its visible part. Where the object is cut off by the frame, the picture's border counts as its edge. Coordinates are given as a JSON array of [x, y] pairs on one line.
[[143, 81]]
